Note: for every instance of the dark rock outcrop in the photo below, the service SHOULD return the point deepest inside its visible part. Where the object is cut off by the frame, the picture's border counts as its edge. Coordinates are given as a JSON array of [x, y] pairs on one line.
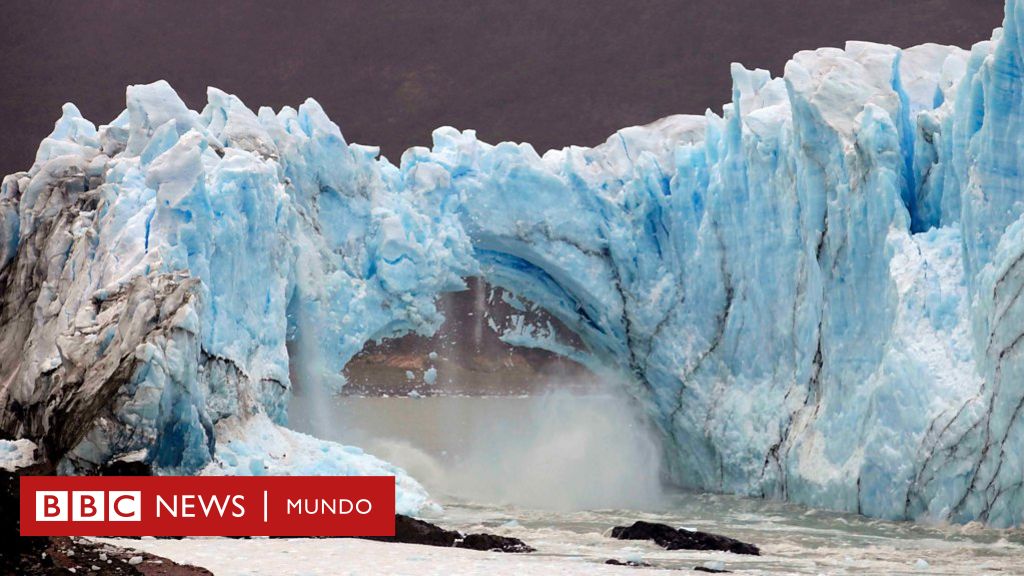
[[414, 531], [710, 570], [126, 468], [677, 539], [630, 563], [31, 556], [61, 555], [17, 555], [493, 543]]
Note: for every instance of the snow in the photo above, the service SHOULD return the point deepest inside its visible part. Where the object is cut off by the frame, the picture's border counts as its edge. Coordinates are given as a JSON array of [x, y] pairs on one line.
[[813, 294]]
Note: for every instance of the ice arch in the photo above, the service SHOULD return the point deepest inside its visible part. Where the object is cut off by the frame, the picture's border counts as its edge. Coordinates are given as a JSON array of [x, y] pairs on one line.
[[815, 294]]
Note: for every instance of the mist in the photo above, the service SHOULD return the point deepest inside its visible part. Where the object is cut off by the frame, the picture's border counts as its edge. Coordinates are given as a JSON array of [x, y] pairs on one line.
[[562, 450]]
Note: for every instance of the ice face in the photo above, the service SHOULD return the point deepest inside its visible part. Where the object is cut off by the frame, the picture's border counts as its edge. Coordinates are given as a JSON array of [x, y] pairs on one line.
[[815, 294]]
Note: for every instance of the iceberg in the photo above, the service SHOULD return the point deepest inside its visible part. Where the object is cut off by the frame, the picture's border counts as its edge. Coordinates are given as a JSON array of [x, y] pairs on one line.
[[815, 294]]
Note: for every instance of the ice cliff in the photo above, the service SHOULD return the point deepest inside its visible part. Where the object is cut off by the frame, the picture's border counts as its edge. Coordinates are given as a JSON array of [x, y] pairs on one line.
[[816, 294]]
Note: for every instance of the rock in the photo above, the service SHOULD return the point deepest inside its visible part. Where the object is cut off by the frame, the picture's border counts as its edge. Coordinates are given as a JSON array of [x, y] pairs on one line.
[[630, 563], [711, 570], [126, 467], [31, 556], [19, 554], [493, 542], [414, 531], [677, 539], [62, 555]]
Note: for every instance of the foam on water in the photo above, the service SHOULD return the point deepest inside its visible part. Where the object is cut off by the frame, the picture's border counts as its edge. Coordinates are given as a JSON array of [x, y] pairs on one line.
[[793, 539]]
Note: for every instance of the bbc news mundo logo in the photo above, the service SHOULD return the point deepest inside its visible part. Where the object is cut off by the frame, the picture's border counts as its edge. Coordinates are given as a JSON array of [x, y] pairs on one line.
[[207, 506]]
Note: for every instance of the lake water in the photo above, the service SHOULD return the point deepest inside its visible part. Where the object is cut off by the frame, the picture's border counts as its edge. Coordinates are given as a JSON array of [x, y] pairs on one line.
[[559, 470]]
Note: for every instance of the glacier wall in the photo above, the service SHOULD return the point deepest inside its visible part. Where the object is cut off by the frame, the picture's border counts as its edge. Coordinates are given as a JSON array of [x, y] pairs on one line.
[[815, 294]]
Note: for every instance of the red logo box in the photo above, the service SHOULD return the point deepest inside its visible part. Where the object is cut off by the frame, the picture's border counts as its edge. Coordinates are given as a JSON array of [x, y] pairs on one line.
[[208, 506]]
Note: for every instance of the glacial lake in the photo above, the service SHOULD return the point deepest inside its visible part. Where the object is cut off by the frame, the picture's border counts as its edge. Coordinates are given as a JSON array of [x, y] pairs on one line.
[[559, 470]]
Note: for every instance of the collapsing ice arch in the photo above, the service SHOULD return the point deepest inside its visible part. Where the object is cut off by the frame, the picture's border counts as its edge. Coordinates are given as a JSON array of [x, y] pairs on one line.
[[814, 295]]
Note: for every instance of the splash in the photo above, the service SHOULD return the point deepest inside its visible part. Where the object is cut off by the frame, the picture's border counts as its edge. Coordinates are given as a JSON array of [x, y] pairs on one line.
[[562, 450]]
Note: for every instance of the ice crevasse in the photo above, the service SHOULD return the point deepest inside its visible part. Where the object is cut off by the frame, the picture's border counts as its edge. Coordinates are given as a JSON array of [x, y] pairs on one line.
[[816, 295]]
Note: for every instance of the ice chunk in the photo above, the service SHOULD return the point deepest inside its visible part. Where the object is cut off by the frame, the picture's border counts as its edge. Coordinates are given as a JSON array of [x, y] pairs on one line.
[[256, 446], [16, 454]]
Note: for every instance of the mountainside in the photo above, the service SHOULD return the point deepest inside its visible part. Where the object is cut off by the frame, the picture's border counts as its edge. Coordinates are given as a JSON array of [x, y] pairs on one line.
[[816, 295]]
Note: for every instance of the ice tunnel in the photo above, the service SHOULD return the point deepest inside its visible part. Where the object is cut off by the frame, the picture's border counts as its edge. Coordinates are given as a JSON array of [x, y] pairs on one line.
[[814, 294]]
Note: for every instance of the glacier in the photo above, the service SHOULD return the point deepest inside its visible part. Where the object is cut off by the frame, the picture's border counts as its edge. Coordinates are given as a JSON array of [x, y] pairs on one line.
[[815, 295]]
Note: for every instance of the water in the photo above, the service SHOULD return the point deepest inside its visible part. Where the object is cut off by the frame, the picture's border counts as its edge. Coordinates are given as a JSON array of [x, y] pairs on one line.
[[793, 540], [559, 470]]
